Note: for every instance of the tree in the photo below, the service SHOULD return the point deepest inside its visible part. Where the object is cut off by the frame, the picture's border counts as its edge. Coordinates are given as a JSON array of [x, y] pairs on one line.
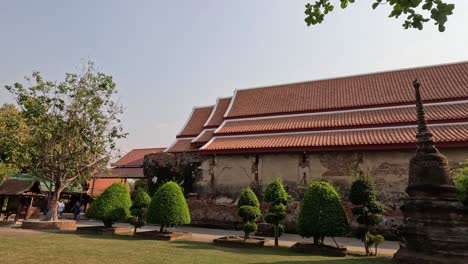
[[111, 206], [14, 135], [416, 11], [73, 127], [460, 178], [367, 210], [140, 202], [321, 213], [277, 196], [168, 207], [249, 210]]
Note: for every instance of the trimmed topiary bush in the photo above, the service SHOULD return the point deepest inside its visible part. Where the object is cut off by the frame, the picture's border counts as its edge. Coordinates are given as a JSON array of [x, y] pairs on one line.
[[168, 207], [368, 211], [249, 210], [321, 213], [277, 196], [141, 201], [111, 206]]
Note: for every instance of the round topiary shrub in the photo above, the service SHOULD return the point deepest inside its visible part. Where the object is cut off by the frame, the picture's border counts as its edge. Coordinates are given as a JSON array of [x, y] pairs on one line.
[[111, 206], [275, 194], [141, 201], [249, 210], [321, 213], [168, 207]]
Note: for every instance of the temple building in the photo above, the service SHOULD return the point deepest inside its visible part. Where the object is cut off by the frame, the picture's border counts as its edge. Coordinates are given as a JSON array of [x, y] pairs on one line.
[[326, 129]]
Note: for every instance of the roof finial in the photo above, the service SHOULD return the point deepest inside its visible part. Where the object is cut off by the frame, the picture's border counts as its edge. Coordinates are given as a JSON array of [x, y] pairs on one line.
[[424, 136]]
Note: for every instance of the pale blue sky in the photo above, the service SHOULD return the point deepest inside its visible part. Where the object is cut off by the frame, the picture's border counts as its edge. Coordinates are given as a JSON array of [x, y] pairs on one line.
[[167, 56]]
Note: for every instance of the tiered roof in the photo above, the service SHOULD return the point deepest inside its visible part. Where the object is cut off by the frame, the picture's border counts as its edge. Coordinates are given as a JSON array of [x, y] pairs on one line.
[[372, 111]]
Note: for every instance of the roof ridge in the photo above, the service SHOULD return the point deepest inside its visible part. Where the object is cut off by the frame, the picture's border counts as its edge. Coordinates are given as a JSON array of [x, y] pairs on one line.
[[353, 75]]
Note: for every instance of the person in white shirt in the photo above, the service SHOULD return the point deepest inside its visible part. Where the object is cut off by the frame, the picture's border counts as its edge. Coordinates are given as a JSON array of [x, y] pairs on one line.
[[60, 208]]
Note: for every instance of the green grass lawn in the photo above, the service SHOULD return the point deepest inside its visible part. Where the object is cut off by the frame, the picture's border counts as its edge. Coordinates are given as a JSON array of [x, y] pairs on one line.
[[73, 248]]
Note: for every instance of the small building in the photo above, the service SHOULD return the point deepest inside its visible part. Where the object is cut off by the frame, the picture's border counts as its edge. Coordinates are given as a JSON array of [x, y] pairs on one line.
[[21, 197], [129, 166]]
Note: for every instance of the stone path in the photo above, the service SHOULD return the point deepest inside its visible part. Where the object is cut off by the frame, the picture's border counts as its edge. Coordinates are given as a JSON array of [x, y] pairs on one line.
[[208, 234]]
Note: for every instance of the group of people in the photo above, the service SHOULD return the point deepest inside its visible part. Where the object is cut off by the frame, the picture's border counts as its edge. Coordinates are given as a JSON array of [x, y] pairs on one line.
[[76, 209]]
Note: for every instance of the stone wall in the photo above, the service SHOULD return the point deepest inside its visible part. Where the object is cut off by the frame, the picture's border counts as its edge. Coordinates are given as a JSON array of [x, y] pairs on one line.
[[222, 177]]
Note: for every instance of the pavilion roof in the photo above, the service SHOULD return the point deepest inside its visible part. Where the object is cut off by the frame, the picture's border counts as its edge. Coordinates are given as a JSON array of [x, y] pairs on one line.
[[11, 186], [134, 158]]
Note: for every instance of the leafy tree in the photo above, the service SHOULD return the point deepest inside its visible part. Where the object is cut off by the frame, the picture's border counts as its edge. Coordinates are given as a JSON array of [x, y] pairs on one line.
[[14, 135], [321, 213], [277, 196], [112, 205], [73, 127], [249, 210], [460, 178], [416, 11], [168, 207], [368, 211], [140, 202], [139, 185]]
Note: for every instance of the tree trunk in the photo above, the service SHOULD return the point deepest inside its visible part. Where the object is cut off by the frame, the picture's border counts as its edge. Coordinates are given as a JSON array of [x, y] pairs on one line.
[[316, 240], [161, 229], [276, 235], [52, 213]]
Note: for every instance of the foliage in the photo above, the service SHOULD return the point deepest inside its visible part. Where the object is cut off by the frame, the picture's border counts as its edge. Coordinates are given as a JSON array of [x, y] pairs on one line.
[[112, 205], [321, 213], [276, 212], [416, 11], [249, 210], [14, 135], [168, 206], [139, 185], [140, 202], [367, 210], [73, 126], [460, 178]]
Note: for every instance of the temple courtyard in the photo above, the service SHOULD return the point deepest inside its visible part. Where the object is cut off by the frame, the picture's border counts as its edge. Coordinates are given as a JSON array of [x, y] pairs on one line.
[[27, 246]]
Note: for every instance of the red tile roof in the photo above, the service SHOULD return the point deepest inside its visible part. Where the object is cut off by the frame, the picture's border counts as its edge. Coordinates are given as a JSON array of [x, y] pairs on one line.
[[98, 186], [369, 118], [217, 116], [135, 157], [353, 139], [439, 83], [182, 145], [204, 136], [195, 123]]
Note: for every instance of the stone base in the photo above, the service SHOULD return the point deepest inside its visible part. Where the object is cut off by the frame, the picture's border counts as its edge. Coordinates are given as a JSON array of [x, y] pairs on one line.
[[165, 236], [321, 250], [65, 225], [404, 256], [100, 230], [239, 242]]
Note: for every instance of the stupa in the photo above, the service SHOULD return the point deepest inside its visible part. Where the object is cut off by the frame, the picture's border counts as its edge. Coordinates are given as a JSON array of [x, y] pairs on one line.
[[435, 227]]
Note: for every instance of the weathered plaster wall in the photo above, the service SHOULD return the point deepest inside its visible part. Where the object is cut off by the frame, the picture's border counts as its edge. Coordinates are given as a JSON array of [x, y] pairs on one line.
[[226, 175]]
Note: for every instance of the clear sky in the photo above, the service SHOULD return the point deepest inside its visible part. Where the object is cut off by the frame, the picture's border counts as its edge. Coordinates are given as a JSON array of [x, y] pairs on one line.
[[168, 56]]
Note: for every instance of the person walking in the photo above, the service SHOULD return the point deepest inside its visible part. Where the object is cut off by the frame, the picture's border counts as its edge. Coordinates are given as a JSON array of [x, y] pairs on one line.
[[60, 208], [76, 210]]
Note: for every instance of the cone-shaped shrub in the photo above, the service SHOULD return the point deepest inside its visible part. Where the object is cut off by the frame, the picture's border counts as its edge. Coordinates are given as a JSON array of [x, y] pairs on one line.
[[367, 210], [111, 206], [141, 201], [277, 196], [321, 213], [168, 206], [249, 210]]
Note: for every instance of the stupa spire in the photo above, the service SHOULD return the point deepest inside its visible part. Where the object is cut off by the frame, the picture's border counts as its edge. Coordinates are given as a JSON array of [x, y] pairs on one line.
[[424, 138]]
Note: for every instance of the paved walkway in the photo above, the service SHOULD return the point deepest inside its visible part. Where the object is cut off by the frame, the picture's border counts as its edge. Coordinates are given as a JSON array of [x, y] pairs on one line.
[[208, 234]]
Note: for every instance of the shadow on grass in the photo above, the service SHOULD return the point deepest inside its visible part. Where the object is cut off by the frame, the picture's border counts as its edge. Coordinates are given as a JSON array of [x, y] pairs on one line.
[[381, 260]]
